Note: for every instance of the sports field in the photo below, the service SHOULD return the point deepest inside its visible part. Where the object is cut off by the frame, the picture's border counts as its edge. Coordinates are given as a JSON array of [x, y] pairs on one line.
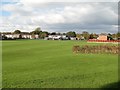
[[51, 64]]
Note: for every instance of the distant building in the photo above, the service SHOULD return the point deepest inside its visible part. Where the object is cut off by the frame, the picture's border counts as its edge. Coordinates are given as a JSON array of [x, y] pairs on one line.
[[25, 35], [10, 35], [103, 37], [7, 34], [57, 37], [34, 36], [54, 37], [16, 36], [73, 38]]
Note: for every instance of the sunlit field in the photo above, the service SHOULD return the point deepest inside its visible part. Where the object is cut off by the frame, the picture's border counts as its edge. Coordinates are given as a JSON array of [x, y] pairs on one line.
[[52, 64]]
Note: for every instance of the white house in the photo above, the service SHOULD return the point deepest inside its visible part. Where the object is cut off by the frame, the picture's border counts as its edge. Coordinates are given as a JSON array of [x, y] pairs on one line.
[[26, 36], [16, 35], [64, 37], [12, 36], [72, 38], [54, 37], [9, 35], [34, 36], [57, 37]]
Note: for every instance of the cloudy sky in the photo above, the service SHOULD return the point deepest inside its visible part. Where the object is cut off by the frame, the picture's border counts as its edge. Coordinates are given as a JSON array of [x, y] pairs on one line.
[[54, 16]]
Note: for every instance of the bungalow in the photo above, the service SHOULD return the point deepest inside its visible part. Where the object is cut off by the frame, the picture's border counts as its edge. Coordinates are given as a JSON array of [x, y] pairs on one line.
[[26, 35], [54, 37], [16, 36], [57, 37], [8, 35], [34, 36], [73, 38]]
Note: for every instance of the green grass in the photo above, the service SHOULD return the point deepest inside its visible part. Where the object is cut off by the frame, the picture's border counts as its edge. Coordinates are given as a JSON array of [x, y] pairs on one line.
[[51, 64]]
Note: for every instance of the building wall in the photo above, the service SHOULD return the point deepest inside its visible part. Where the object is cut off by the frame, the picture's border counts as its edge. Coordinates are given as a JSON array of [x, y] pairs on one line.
[[9, 36], [26, 36], [102, 37], [16, 35]]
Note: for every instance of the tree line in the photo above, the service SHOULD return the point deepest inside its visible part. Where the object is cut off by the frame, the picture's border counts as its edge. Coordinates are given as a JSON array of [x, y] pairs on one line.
[[86, 35]]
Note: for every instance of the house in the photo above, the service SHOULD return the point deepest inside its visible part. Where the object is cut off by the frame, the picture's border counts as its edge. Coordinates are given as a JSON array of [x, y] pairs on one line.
[[7, 35], [54, 37], [73, 38], [82, 38], [57, 37], [64, 37], [34, 36], [10, 35], [103, 37], [16, 36], [25, 35]]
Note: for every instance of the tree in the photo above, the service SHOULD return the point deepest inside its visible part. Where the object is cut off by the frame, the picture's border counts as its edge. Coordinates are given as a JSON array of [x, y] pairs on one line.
[[36, 31], [17, 32], [95, 36], [110, 36], [64, 34], [118, 34], [53, 33], [91, 36], [114, 35], [78, 36], [43, 35], [71, 34], [85, 35], [58, 33], [33, 35]]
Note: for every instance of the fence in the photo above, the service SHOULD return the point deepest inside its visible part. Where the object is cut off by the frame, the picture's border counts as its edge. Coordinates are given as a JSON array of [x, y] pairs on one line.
[[112, 41]]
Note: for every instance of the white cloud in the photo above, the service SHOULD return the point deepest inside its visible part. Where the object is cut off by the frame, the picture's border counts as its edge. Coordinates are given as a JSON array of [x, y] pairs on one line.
[[46, 1], [26, 15], [10, 0]]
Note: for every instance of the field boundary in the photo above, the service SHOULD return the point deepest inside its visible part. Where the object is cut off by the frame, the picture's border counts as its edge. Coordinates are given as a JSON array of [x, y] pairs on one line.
[[104, 41]]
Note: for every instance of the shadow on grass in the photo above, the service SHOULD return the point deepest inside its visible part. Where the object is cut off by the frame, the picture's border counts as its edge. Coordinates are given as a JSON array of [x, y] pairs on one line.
[[114, 86]]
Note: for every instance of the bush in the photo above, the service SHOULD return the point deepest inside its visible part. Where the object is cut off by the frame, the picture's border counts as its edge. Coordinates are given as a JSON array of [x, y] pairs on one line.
[[108, 49]]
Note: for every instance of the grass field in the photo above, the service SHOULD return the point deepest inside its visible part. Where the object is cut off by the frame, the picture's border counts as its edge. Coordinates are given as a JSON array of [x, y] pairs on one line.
[[51, 64]]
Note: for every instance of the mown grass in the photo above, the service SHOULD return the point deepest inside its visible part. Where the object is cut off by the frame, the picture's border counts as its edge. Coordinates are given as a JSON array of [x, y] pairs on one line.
[[51, 64]]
